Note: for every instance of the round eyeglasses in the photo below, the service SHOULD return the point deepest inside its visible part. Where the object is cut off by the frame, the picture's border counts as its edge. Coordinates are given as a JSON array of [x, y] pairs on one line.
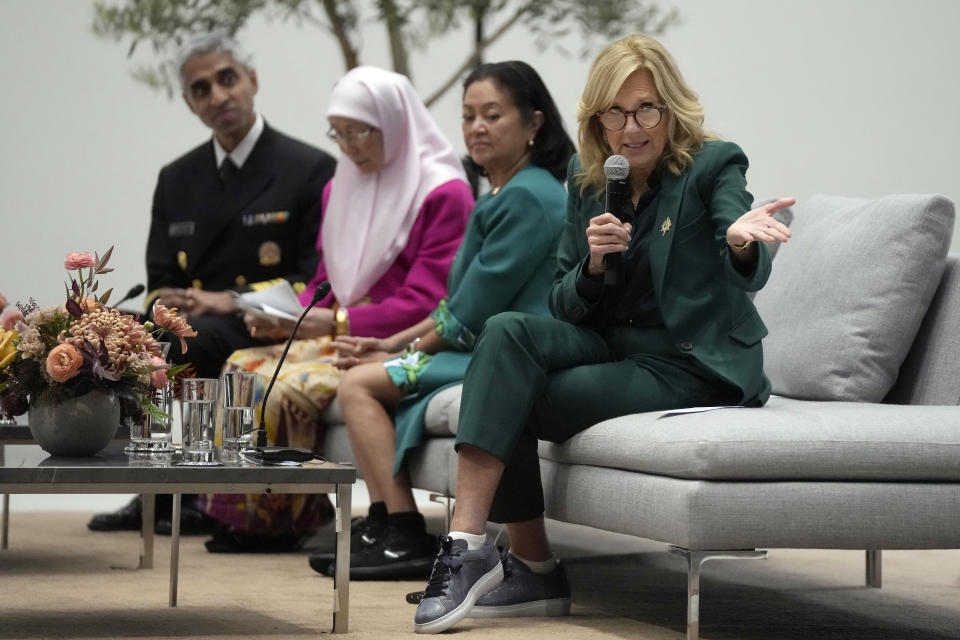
[[615, 119], [350, 136]]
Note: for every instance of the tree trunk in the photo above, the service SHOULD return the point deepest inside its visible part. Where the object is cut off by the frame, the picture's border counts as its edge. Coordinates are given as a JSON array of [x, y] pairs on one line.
[[398, 46], [351, 58]]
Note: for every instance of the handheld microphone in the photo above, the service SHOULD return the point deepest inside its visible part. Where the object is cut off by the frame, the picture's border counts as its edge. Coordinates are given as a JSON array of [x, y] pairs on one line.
[[616, 168], [135, 290], [322, 290]]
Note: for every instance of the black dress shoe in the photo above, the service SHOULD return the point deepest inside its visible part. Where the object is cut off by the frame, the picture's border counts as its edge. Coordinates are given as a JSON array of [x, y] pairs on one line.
[[128, 518], [192, 523], [229, 540]]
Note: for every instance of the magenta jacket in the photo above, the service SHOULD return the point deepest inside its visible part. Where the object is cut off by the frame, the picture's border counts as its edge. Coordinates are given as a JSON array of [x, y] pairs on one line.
[[417, 279]]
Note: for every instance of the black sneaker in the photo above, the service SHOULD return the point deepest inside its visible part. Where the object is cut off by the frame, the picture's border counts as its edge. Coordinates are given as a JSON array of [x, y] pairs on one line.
[[364, 532], [460, 577], [525, 593], [395, 555]]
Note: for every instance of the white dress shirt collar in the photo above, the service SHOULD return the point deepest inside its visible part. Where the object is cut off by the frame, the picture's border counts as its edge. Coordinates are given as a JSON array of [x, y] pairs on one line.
[[242, 152]]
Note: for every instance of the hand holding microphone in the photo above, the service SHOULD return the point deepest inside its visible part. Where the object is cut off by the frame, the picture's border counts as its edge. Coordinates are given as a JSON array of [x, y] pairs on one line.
[[609, 233]]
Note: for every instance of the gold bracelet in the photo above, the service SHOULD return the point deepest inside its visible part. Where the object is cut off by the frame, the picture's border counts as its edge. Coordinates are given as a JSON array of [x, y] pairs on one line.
[[343, 322], [739, 248]]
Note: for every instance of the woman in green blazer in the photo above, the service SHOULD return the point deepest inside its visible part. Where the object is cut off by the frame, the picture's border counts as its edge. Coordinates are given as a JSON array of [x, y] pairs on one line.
[[674, 326], [514, 134]]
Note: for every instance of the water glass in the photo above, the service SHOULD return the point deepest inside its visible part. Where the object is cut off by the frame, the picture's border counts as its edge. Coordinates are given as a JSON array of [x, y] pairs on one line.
[[153, 434], [199, 429], [238, 393]]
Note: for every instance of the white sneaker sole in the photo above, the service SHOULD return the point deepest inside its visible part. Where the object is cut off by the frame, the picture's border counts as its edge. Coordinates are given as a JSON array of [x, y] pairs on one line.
[[487, 582], [555, 607]]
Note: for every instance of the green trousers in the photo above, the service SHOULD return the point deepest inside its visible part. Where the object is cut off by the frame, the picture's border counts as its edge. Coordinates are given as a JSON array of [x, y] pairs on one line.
[[535, 377]]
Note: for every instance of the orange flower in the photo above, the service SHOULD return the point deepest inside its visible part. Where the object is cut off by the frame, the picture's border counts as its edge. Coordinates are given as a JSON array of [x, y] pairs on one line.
[[169, 320], [63, 362]]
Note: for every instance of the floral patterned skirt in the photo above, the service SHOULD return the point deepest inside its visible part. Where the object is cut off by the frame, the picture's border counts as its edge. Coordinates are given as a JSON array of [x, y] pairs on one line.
[[305, 387]]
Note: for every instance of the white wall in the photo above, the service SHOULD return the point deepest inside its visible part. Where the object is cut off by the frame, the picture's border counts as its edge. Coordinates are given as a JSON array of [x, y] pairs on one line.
[[851, 97]]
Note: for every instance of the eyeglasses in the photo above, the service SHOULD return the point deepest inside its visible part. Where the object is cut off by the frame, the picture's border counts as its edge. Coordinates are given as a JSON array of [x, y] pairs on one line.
[[350, 136], [647, 116]]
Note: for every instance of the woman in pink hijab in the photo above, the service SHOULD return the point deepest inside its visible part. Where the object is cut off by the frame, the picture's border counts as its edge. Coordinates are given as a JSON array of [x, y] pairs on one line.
[[394, 214]]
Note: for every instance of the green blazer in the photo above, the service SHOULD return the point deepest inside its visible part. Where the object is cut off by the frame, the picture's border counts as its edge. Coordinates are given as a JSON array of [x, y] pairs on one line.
[[506, 262], [702, 296]]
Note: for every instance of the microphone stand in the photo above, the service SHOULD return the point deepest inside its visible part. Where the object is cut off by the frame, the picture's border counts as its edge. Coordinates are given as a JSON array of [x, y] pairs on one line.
[[322, 290]]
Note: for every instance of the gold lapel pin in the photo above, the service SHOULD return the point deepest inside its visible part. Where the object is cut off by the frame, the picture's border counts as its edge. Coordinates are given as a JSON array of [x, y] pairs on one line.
[[665, 227]]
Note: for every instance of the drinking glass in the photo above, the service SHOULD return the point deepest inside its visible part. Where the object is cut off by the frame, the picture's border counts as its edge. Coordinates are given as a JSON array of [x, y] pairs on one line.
[[154, 434], [199, 428], [238, 393]]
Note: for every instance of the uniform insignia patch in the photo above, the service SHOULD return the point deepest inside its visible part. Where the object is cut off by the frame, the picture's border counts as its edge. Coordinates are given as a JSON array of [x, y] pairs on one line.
[[181, 229], [269, 253], [268, 217]]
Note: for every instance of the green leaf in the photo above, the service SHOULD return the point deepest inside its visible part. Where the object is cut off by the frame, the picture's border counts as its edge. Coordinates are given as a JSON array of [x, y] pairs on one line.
[[106, 296]]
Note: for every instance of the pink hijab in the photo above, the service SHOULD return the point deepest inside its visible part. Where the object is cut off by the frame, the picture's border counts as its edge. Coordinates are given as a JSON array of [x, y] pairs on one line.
[[368, 217]]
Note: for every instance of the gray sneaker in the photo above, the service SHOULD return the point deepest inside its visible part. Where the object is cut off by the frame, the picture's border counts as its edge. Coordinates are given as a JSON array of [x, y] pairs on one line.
[[525, 593], [460, 577]]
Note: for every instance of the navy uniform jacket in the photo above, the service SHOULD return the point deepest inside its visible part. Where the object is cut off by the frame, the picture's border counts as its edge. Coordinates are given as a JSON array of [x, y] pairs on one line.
[[261, 227]]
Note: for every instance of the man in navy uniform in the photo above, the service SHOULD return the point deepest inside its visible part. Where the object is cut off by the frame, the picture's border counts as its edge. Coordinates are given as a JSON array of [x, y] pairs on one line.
[[239, 212]]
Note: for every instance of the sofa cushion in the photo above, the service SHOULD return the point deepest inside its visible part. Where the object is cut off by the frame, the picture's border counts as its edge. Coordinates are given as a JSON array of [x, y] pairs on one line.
[[848, 292], [784, 440], [931, 372]]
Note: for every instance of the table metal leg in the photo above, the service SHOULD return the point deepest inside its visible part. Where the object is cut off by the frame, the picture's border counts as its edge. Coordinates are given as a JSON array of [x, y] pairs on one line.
[[174, 549], [341, 579], [147, 502], [874, 568], [5, 525]]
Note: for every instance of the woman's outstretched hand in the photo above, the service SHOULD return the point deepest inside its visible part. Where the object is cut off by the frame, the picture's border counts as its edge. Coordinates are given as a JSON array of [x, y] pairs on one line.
[[759, 225]]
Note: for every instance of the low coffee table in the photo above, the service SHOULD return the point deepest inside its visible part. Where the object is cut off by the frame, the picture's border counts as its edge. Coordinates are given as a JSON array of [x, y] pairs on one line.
[[25, 468]]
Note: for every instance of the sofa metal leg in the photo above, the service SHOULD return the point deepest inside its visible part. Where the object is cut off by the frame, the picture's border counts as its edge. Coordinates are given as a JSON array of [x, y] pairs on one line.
[[695, 560], [447, 502], [6, 521], [874, 568]]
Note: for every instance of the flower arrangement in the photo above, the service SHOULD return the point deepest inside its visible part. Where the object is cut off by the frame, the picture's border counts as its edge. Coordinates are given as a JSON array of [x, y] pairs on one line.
[[50, 354]]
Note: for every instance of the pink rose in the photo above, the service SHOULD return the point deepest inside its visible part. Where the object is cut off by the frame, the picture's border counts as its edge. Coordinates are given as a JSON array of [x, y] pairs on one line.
[[159, 377], [10, 319], [78, 260], [63, 361]]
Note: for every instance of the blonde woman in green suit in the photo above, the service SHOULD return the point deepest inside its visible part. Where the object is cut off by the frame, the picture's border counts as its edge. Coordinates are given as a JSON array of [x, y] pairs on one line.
[[675, 329]]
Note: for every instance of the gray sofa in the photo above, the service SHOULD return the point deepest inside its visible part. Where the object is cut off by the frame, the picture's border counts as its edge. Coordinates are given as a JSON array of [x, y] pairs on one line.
[[859, 448]]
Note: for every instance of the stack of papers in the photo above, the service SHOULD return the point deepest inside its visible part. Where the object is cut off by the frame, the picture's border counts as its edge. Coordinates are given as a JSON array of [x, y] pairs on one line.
[[278, 301]]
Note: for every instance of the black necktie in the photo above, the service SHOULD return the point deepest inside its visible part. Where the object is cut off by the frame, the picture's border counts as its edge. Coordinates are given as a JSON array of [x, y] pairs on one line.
[[228, 169]]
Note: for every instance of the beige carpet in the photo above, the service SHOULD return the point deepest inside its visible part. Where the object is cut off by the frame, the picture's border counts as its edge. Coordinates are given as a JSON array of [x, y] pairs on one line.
[[58, 580]]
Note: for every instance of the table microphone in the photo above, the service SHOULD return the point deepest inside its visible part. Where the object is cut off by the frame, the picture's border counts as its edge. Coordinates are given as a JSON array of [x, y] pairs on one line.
[[616, 168], [135, 290], [322, 290]]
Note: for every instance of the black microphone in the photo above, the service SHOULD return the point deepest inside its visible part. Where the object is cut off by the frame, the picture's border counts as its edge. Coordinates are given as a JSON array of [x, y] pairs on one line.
[[135, 290], [322, 290], [616, 168]]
